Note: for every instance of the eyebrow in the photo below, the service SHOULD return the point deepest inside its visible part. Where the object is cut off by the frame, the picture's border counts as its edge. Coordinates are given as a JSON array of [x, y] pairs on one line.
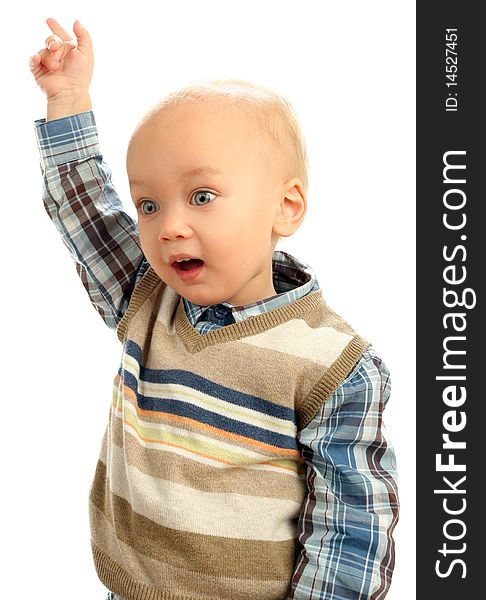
[[205, 170]]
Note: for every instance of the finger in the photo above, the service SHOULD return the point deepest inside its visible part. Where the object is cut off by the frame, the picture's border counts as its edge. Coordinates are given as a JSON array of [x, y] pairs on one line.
[[36, 64], [53, 43], [50, 60], [34, 61], [57, 29], [82, 36]]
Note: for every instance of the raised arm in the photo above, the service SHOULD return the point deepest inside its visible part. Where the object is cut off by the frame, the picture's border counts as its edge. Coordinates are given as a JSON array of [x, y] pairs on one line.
[[78, 194], [351, 509]]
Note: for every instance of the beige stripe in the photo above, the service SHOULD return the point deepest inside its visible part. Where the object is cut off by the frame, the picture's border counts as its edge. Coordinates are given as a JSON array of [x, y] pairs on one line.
[[111, 555], [240, 557], [322, 345], [166, 308], [224, 514], [104, 536], [323, 315], [196, 474]]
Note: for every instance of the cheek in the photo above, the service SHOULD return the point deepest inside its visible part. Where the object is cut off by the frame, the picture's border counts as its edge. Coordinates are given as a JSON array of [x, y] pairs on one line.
[[148, 238], [142, 233]]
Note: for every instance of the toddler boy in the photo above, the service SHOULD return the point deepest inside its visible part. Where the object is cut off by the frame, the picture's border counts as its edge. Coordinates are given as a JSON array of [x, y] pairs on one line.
[[245, 455]]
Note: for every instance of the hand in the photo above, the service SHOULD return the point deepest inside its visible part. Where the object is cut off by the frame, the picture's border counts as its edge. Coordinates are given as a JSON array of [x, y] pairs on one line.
[[65, 66]]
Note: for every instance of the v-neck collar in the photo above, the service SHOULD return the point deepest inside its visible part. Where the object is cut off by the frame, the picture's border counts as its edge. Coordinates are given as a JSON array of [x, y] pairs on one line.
[[192, 339], [195, 341]]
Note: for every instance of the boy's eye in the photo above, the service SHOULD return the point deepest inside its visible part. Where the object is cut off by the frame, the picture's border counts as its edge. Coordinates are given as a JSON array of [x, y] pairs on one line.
[[150, 210], [201, 196]]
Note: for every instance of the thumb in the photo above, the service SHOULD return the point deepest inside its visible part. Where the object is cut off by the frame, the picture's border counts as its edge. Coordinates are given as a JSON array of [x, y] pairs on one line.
[[82, 35]]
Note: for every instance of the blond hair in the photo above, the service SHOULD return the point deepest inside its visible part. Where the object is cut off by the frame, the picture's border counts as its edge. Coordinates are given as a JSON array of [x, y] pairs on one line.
[[275, 115]]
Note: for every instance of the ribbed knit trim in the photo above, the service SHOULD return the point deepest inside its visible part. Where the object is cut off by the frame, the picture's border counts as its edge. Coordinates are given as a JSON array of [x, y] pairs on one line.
[[145, 287], [333, 378], [117, 580], [194, 341]]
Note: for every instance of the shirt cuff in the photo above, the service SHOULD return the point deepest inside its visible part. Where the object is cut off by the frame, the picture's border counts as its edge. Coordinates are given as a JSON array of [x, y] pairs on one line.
[[68, 138]]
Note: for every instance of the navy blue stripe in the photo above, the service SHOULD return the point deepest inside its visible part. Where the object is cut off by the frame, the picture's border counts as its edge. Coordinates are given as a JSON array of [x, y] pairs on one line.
[[197, 382], [187, 409]]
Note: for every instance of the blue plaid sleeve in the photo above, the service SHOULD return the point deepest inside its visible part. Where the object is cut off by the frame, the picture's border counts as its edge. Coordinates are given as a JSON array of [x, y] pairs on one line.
[[81, 201], [351, 507]]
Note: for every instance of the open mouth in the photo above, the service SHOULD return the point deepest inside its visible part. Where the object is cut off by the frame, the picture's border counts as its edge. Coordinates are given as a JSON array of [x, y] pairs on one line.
[[188, 265], [189, 269]]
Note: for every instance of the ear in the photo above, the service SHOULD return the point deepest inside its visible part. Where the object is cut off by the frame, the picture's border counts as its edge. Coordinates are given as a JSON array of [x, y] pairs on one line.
[[291, 208]]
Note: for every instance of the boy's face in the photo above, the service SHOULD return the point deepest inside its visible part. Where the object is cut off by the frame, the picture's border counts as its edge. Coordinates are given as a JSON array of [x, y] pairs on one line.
[[224, 217]]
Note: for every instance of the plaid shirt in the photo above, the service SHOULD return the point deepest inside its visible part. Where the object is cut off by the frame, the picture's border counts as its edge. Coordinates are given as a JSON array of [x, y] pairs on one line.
[[351, 507]]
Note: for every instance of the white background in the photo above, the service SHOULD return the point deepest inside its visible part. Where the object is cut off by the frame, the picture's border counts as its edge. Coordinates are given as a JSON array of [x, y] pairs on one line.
[[348, 69]]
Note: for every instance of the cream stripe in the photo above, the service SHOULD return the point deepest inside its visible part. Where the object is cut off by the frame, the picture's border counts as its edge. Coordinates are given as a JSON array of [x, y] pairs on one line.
[[182, 393], [322, 345], [184, 508], [290, 465]]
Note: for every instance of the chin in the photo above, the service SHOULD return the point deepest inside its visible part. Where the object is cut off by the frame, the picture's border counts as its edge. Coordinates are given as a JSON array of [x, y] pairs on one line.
[[200, 298], [195, 293]]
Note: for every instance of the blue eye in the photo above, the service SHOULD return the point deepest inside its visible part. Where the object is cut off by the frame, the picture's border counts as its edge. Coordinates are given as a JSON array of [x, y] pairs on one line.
[[204, 193], [142, 204]]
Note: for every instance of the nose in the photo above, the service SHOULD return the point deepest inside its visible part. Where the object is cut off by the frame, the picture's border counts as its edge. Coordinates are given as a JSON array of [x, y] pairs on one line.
[[174, 226]]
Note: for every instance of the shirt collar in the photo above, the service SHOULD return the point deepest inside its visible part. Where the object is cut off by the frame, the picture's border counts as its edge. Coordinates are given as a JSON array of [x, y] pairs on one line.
[[292, 280]]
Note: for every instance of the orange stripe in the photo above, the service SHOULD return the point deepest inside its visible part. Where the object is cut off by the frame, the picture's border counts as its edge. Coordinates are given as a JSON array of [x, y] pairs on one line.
[[211, 457], [221, 460], [285, 452]]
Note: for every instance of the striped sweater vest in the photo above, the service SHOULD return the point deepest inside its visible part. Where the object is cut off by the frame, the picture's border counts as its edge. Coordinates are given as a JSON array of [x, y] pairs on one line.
[[200, 479]]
